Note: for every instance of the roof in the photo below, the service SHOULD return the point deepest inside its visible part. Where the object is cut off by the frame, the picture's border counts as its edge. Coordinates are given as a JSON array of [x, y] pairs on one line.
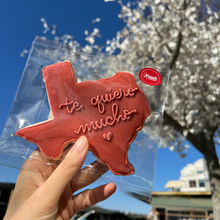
[[192, 200], [181, 193], [6, 186], [100, 210], [183, 202], [174, 184]]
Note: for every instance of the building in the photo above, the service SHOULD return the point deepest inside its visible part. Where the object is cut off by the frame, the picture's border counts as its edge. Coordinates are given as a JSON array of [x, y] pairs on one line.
[[6, 190], [182, 205], [186, 198], [193, 178], [98, 213]]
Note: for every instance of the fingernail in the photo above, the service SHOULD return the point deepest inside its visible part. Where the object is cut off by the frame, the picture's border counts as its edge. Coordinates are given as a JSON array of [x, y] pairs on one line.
[[80, 145]]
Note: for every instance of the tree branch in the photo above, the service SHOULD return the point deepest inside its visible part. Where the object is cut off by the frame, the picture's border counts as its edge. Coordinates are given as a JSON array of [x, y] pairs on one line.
[[168, 120], [179, 38], [186, 4], [176, 51]]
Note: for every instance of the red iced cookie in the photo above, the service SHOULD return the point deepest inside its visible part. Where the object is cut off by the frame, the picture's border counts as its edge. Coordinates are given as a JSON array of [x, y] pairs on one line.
[[109, 112]]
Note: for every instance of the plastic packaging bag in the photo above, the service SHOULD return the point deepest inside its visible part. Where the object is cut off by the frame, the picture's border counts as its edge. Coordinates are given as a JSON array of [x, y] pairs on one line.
[[122, 83]]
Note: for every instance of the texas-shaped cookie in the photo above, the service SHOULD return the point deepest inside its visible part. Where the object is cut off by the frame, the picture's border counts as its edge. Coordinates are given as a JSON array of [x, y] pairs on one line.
[[109, 112]]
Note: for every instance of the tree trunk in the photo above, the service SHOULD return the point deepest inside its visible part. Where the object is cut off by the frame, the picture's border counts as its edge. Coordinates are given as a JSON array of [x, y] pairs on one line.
[[214, 177], [206, 146]]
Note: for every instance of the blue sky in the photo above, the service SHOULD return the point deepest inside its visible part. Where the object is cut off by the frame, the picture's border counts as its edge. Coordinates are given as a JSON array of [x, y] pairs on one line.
[[20, 23]]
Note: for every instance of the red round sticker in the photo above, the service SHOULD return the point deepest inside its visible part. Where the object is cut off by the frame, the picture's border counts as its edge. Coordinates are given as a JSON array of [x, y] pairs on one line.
[[150, 76]]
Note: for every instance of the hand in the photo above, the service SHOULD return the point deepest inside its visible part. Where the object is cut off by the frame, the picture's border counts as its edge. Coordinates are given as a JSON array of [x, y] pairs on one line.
[[46, 191]]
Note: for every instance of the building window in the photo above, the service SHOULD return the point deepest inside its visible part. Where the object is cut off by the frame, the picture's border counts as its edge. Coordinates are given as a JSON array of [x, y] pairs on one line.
[[201, 183], [200, 171], [192, 183]]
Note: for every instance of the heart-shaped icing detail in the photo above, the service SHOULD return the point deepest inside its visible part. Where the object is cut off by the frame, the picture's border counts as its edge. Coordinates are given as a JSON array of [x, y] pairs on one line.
[[107, 136], [88, 108]]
